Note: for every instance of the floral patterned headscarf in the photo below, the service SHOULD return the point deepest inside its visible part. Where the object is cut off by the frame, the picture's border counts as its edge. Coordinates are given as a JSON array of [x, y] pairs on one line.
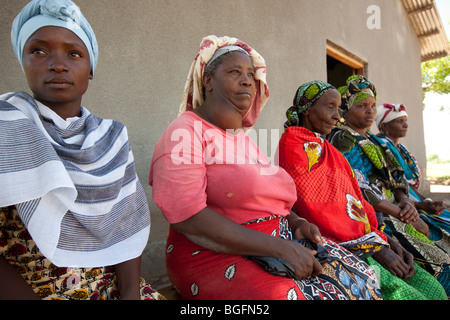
[[307, 94], [193, 90], [357, 89]]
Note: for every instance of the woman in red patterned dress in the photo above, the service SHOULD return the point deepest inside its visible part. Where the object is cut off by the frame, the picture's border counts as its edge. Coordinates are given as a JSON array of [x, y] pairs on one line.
[[330, 197]]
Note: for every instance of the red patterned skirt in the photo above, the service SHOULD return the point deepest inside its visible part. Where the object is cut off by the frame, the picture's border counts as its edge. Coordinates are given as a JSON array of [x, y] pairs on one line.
[[198, 273]]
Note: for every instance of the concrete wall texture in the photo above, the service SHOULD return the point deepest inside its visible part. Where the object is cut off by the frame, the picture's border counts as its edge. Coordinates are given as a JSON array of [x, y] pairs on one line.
[[147, 47]]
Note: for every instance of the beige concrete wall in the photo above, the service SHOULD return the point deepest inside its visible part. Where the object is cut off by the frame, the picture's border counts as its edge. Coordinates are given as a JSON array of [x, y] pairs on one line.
[[147, 46]]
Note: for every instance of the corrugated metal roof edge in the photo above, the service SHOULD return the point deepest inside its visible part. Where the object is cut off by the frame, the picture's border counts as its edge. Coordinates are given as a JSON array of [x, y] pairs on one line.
[[418, 17]]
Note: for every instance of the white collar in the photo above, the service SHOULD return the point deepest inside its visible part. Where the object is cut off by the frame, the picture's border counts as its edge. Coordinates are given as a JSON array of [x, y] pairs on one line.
[[48, 113]]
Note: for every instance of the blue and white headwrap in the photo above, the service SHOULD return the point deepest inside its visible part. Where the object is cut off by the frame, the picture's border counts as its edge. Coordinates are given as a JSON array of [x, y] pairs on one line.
[[59, 13]]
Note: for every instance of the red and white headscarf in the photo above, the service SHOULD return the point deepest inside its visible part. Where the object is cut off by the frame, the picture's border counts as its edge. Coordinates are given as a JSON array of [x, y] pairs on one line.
[[388, 112], [193, 90]]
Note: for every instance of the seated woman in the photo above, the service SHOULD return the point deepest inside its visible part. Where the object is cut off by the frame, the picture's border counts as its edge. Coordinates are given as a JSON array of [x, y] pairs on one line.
[[382, 179], [210, 181], [329, 195], [74, 218], [392, 122]]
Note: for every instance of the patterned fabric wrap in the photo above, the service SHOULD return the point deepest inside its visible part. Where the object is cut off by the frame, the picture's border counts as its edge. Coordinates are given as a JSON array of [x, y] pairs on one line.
[[75, 188], [307, 94], [406, 160], [412, 173], [201, 274], [322, 181], [439, 226], [50, 282], [193, 90], [357, 89], [431, 255], [373, 159], [421, 286], [328, 192]]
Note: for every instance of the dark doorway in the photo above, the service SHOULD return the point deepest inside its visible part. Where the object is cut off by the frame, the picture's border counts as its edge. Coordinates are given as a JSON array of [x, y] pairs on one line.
[[341, 64], [338, 72]]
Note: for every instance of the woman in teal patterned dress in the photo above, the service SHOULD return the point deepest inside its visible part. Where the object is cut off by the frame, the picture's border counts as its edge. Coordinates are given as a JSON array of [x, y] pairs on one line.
[[382, 179]]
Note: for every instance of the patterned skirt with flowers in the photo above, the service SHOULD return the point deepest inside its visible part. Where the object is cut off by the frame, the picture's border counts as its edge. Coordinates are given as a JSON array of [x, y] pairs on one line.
[[52, 282], [201, 274]]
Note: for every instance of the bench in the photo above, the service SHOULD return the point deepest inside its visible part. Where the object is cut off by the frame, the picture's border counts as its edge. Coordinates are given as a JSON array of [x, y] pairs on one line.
[[170, 293]]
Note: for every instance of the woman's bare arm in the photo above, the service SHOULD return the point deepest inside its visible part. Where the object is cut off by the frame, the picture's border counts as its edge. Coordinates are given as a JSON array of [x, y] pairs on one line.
[[216, 232]]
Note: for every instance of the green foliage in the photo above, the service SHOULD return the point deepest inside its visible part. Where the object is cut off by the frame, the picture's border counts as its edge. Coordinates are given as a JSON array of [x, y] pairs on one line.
[[436, 76], [434, 158]]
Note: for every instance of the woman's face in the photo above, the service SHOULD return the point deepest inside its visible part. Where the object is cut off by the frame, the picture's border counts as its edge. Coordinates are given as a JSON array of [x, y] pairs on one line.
[[233, 82], [323, 115], [362, 115], [397, 128], [57, 66]]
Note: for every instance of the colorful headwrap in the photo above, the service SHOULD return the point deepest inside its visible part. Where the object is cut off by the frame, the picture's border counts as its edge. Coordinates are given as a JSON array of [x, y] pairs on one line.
[[59, 13], [307, 94], [357, 89], [193, 90], [388, 112]]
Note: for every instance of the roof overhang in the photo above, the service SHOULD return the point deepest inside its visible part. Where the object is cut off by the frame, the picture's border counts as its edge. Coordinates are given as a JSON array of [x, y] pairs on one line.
[[428, 27]]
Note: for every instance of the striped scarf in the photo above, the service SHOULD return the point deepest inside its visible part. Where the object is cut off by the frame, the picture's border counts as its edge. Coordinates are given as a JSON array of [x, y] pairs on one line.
[[75, 188]]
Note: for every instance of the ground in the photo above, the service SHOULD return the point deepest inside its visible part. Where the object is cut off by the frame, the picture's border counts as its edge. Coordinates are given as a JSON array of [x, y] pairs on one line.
[[438, 174]]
